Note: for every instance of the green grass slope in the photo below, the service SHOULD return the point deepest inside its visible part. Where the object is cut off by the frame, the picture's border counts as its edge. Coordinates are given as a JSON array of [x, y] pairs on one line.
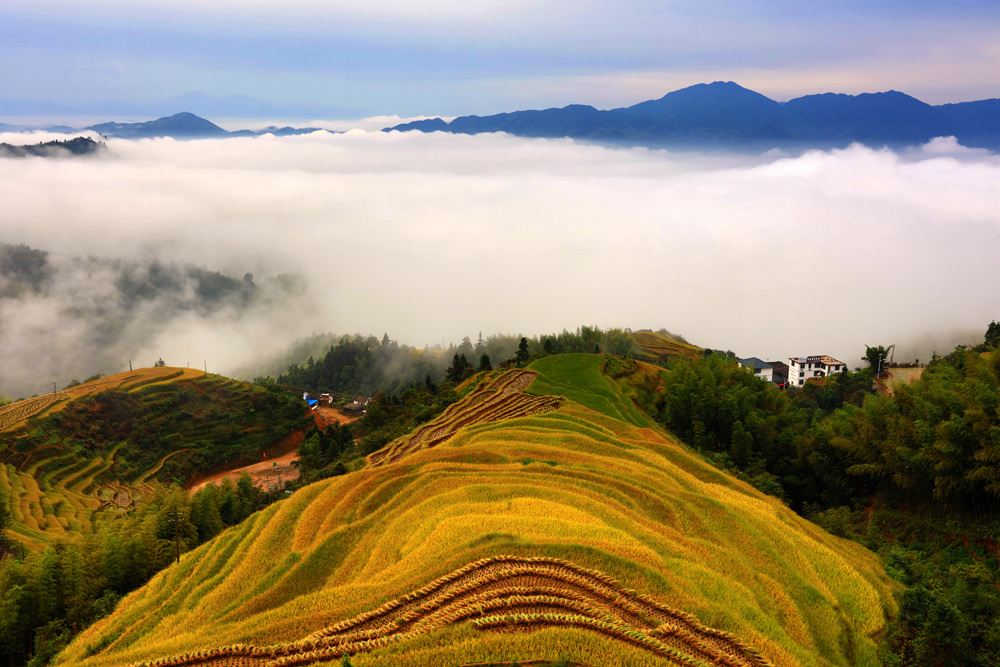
[[582, 534], [63, 456]]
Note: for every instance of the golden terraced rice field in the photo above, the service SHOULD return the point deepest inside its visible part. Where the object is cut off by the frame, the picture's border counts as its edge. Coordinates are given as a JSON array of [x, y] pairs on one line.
[[580, 533], [56, 494]]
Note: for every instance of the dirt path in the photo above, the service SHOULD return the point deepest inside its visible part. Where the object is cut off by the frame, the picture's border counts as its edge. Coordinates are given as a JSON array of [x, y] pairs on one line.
[[271, 472], [265, 474], [328, 416]]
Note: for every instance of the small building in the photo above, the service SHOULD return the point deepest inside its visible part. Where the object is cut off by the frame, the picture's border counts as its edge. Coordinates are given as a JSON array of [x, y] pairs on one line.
[[801, 369], [358, 405], [760, 368], [779, 373]]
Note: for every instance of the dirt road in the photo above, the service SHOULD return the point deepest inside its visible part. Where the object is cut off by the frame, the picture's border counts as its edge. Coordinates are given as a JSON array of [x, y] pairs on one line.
[[266, 474], [271, 472]]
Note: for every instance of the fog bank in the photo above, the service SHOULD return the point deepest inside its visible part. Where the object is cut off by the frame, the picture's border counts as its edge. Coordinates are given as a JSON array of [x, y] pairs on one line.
[[432, 237]]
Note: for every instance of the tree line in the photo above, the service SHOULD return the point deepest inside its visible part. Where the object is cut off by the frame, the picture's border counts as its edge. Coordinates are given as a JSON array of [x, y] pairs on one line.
[[366, 365]]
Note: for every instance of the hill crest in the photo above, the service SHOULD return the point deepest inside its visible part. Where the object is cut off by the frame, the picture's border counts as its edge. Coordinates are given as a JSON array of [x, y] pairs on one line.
[[589, 485]]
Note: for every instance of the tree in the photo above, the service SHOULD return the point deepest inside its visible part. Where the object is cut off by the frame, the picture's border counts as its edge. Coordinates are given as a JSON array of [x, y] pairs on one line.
[[484, 363], [522, 352], [460, 368], [993, 334], [160, 363]]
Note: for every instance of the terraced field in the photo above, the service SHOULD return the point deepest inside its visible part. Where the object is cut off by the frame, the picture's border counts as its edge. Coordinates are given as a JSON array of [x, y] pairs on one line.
[[573, 535], [16, 414], [657, 347], [495, 400], [505, 593], [58, 487]]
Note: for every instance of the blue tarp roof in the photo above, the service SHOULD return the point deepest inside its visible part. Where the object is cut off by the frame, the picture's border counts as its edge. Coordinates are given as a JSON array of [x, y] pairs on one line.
[[312, 401]]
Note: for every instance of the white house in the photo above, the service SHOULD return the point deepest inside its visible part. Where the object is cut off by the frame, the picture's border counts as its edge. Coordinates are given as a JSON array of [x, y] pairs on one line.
[[760, 368], [801, 369]]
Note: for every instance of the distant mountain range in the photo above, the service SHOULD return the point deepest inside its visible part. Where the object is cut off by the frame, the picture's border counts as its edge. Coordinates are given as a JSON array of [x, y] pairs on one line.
[[186, 125], [708, 115], [724, 114]]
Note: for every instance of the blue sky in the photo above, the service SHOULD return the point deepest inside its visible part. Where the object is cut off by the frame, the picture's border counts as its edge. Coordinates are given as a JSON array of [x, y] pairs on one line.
[[449, 57]]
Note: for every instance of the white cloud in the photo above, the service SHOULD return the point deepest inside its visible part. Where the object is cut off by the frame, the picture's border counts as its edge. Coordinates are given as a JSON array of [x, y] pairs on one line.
[[435, 235], [950, 146]]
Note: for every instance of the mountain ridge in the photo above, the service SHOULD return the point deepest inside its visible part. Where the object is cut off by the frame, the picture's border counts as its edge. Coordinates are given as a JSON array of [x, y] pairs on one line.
[[721, 114], [724, 114]]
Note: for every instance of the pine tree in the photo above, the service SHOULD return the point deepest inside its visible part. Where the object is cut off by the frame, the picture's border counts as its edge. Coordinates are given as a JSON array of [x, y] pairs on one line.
[[522, 352], [484, 363]]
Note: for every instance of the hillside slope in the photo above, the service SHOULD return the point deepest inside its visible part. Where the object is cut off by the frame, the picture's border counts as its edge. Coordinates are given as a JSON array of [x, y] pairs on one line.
[[71, 457], [590, 532]]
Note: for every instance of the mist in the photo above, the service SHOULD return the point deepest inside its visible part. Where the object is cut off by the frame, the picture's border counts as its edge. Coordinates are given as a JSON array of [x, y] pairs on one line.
[[432, 237]]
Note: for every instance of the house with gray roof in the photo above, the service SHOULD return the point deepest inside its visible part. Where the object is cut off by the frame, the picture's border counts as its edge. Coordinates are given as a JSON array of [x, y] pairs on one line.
[[760, 368]]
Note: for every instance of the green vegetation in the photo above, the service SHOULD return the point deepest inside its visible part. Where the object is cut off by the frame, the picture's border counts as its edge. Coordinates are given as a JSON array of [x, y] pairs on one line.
[[580, 377], [356, 364], [914, 476], [451, 515]]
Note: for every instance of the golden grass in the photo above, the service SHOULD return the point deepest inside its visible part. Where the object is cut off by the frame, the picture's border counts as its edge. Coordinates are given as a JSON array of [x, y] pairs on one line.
[[14, 415], [504, 593], [56, 493], [658, 346], [344, 563], [494, 400]]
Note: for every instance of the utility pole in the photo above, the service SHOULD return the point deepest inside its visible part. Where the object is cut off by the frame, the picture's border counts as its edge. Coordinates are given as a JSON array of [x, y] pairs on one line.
[[53, 387], [129, 365]]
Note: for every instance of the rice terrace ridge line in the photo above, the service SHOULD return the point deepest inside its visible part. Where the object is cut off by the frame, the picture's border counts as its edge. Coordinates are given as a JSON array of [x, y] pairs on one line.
[[504, 593], [502, 398]]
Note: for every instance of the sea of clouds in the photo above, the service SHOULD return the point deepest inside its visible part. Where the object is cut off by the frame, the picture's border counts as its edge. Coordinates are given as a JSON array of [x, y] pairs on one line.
[[432, 237]]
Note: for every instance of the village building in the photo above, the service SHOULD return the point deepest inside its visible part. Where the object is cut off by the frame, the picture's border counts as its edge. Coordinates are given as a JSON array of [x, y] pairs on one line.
[[804, 368], [358, 406], [779, 373], [760, 368]]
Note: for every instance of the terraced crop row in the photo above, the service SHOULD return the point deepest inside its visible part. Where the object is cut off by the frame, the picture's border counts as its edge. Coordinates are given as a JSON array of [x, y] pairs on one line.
[[661, 346], [15, 413], [60, 493], [505, 593], [497, 400]]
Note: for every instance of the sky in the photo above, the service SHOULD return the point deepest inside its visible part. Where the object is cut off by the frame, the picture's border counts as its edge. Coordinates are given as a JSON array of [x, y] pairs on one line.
[[354, 58], [433, 237]]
